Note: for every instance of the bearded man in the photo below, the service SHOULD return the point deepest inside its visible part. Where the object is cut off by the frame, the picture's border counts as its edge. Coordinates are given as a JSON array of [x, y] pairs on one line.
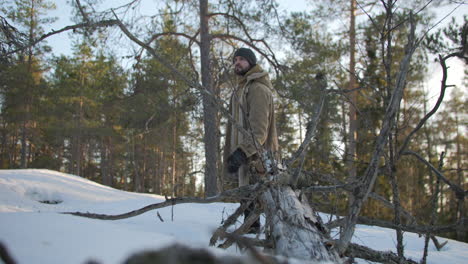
[[252, 107]]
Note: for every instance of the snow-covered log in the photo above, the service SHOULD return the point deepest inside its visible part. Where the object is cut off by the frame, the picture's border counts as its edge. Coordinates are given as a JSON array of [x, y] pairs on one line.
[[295, 230]]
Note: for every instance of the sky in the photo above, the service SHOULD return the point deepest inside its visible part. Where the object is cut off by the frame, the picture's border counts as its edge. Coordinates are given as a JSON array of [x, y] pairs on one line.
[[37, 232], [61, 43]]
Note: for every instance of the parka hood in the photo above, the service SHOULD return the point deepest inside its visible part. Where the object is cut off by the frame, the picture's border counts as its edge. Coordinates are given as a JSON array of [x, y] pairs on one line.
[[257, 74]]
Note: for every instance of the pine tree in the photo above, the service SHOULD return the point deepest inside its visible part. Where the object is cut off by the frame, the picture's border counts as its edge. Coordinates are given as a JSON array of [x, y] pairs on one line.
[[28, 16]]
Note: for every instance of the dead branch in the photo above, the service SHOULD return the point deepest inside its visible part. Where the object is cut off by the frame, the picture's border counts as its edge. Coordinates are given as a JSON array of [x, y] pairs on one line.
[[396, 199], [311, 126], [361, 192], [419, 229], [459, 192], [358, 251], [435, 197], [250, 244], [12, 36], [82, 12], [191, 38], [230, 221], [243, 228], [229, 196], [443, 87], [103, 23], [349, 187]]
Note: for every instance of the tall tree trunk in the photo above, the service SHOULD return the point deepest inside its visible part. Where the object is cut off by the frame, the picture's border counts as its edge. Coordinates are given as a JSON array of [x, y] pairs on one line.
[[209, 109], [156, 174], [352, 131], [106, 166], [461, 182], [27, 101], [174, 145]]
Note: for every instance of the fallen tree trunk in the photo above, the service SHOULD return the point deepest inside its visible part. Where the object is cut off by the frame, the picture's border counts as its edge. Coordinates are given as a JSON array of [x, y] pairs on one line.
[[295, 230]]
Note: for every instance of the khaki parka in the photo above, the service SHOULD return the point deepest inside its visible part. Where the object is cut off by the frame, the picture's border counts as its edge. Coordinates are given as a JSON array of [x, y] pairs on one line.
[[252, 107]]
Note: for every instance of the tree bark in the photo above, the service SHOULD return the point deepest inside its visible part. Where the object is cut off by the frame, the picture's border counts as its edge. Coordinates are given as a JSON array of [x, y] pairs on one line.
[[294, 228], [209, 108], [352, 131]]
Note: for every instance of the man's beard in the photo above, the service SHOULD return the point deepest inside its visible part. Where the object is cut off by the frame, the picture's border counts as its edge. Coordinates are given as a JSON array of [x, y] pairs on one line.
[[240, 71]]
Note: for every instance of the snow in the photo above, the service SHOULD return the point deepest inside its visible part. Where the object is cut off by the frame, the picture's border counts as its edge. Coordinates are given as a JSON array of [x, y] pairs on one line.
[[34, 231]]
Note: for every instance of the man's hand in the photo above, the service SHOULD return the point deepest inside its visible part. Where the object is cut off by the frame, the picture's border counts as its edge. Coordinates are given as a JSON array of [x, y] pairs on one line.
[[235, 160]]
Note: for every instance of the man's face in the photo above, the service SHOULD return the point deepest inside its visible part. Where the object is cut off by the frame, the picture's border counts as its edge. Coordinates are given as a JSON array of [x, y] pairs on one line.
[[241, 65]]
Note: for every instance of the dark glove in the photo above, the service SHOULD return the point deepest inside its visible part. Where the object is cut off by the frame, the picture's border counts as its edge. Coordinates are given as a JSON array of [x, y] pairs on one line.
[[235, 160]]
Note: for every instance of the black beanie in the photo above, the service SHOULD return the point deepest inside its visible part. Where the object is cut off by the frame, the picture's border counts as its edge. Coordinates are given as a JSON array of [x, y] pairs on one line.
[[247, 54]]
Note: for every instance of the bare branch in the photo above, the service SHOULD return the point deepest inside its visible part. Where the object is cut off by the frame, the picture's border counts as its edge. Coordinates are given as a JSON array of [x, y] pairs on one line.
[[459, 192], [358, 251], [349, 187], [311, 126], [83, 13], [233, 195], [419, 229], [103, 23], [191, 38], [367, 183], [443, 86]]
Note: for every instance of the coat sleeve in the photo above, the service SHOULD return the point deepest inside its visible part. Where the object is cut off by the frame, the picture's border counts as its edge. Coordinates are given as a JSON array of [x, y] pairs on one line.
[[259, 100]]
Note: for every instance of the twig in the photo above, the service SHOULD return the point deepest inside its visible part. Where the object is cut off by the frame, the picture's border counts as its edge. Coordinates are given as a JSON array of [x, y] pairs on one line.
[[159, 216], [230, 221], [243, 228]]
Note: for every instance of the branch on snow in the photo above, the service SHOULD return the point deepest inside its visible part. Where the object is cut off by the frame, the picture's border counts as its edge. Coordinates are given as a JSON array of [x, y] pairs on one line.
[[420, 229], [229, 196], [358, 251]]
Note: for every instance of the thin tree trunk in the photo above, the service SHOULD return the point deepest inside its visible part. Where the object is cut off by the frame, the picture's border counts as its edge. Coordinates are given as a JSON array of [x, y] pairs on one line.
[[174, 145], [461, 182], [156, 174], [352, 131], [433, 219], [104, 163], [209, 108]]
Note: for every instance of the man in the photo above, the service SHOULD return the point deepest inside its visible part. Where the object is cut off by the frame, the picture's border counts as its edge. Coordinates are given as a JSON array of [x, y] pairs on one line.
[[252, 108]]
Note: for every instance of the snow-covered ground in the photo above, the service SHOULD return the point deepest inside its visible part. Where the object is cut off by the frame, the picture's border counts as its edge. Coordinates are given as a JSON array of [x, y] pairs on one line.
[[35, 232]]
